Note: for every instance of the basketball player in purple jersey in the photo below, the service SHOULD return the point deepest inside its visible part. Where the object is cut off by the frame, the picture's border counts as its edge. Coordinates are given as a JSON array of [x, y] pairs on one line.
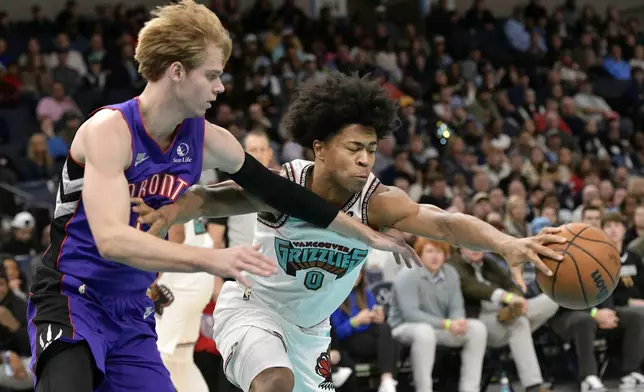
[[91, 325]]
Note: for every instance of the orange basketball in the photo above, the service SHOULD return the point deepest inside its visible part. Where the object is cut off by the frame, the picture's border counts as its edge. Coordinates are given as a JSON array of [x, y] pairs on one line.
[[589, 272]]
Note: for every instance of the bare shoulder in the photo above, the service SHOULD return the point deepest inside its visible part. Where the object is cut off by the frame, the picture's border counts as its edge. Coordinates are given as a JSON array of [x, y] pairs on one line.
[[389, 205], [106, 129], [221, 150]]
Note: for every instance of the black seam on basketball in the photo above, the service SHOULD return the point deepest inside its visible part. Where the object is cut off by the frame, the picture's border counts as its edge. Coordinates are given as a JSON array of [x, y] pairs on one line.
[[554, 279], [581, 282], [596, 261], [599, 241]]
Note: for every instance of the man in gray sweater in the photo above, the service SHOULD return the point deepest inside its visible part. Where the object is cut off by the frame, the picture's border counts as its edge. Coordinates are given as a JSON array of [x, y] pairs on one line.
[[427, 309]]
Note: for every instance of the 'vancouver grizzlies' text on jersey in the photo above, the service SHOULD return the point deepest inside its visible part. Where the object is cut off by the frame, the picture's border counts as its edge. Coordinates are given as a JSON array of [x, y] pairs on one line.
[[318, 267], [157, 176]]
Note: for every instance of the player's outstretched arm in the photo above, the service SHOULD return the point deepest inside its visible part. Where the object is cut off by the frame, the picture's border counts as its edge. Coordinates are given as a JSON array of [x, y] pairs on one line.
[[104, 144], [391, 207], [213, 201], [223, 151]]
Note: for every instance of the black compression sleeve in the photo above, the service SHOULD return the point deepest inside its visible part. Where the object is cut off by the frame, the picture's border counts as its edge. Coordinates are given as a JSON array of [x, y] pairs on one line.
[[285, 196]]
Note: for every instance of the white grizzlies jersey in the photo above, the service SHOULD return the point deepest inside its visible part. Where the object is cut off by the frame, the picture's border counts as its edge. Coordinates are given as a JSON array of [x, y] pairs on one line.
[[317, 267]]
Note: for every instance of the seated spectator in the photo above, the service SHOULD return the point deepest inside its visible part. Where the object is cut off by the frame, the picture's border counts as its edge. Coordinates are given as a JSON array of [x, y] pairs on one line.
[[39, 165], [17, 284], [581, 327], [22, 240], [592, 106], [14, 340], [637, 229], [56, 145], [515, 218], [630, 290], [492, 297], [615, 65], [360, 327], [56, 105], [427, 310]]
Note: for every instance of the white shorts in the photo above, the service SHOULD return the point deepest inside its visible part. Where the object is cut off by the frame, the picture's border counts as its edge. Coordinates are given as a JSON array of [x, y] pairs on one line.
[[252, 337], [180, 322]]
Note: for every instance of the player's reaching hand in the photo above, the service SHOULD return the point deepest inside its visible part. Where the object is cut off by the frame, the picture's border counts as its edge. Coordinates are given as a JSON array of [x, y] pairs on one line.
[[236, 262], [530, 250], [394, 241], [231, 262], [157, 220]]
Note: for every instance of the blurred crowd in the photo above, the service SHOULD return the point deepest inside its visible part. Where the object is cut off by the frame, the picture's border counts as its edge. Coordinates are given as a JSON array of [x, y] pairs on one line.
[[526, 120]]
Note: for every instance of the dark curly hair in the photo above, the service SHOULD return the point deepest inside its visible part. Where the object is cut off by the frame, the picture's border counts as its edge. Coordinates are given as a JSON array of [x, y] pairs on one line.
[[322, 108]]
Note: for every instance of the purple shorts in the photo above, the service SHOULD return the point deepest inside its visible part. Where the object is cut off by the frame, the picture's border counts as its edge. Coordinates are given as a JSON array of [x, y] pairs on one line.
[[119, 329]]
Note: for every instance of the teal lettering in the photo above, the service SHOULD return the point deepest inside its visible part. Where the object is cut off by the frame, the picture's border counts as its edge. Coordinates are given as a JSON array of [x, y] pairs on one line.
[[294, 255]]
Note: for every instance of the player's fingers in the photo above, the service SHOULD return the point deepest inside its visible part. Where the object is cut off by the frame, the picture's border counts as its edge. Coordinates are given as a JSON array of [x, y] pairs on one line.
[[551, 230], [548, 252], [259, 264], [139, 203], [150, 218], [539, 264], [517, 274], [398, 258], [547, 238], [409, 255], [414, 256], [155, 229]]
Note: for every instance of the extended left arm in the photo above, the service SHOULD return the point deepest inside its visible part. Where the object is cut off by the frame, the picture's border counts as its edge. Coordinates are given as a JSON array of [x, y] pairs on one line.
[[391, 207]]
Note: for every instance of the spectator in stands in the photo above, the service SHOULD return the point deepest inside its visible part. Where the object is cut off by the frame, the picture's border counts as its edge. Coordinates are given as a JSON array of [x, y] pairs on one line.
[[22, 240], [17, 284], [56, 145], [630, 290], [615, 64], [360, 327], [515, 217], [491, 296], [588, 195], [592, 215], [637, 229], [592, 106], [427, 310], [238, 230], [581, 327], [54, 106], [39, 164], [14, 340], [73, 58]]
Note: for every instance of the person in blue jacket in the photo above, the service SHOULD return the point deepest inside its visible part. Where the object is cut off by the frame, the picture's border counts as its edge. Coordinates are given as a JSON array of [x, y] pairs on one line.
[[360, 327]]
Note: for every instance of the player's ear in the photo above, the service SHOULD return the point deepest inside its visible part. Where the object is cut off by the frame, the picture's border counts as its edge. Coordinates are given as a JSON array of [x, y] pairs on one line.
[[318, 149], [176, 70]]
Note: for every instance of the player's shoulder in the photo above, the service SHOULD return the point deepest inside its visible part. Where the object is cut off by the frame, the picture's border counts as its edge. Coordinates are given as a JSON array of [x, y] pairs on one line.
[[105, 129], [106, 123]]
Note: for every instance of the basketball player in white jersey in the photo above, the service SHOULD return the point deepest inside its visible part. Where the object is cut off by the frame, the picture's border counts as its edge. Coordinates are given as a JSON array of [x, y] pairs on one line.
[[274, 335], [181, 298]]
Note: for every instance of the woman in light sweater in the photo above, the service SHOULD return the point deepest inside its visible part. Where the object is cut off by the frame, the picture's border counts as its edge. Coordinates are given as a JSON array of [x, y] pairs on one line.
[[427, 309]]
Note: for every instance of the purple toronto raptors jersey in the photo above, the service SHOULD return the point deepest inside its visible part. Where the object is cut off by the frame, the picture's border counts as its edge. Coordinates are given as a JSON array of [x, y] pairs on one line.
[[157, 176]]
